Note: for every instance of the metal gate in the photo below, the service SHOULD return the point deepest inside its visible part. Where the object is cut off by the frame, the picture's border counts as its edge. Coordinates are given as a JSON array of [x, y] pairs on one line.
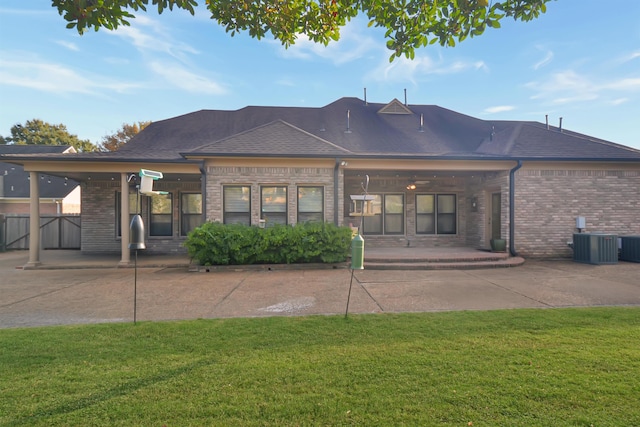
[[56, 232]]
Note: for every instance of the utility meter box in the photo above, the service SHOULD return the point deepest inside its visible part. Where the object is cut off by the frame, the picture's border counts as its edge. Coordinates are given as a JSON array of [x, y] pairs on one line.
[[630, 248], [595, 248]]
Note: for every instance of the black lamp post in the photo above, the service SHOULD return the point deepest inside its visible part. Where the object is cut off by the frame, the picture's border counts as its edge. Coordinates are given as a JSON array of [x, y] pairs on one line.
[[136, 241]]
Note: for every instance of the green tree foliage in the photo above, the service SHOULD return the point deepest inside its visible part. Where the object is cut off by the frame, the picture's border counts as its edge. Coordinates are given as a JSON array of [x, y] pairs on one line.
[[38, 132], [122, 136], [409, 24]]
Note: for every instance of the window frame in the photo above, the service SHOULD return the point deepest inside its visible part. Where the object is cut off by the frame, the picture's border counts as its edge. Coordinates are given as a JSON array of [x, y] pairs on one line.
[[264, 215], [185, 217], [437, 215], [379, 210], [227, 213], [310, 212], [151, 216]]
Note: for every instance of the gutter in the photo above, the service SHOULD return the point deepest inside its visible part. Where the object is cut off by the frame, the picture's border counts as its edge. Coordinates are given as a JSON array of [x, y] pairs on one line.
[[512, 214]]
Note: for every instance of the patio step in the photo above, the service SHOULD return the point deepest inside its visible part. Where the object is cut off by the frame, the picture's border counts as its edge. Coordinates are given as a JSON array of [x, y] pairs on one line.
[[436, 259], [444, 265]]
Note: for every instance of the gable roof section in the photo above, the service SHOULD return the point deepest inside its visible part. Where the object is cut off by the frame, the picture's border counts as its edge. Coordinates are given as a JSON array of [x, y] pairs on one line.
[[395, 107], [277, 138]]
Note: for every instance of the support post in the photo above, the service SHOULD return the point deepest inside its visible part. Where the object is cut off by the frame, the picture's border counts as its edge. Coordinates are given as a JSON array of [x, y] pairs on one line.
[[125, 253], [34, 221]]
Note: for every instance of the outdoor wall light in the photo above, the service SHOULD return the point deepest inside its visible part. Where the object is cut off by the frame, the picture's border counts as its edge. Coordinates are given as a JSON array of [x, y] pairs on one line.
[[411, 186]]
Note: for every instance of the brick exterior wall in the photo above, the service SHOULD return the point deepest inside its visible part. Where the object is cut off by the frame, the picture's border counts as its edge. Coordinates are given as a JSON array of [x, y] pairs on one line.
[[255, 177], [548, 202], [397, 185], [99, 225]]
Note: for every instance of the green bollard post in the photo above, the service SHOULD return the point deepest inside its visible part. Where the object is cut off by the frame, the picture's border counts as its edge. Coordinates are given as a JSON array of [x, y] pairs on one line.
[[357, 253]]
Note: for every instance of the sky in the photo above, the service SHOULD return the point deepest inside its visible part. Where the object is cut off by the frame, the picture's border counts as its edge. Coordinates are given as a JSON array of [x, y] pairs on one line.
[[579, 61]]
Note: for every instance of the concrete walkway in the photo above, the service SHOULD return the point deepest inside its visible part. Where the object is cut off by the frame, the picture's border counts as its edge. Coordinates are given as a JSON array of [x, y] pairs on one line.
[[105, 293]]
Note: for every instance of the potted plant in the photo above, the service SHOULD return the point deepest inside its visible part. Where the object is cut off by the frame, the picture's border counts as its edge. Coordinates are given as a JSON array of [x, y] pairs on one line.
[[498, 245]]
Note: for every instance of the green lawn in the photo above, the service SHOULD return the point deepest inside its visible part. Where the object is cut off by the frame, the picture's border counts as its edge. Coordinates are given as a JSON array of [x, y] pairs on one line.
[[569, 367]]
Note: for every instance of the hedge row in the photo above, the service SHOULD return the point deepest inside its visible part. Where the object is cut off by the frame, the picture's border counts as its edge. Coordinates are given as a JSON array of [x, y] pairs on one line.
[[214, 243]]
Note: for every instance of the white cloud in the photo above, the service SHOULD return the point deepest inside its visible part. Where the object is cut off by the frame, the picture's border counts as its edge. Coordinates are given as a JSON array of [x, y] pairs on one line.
[[166, 57], [149, 36], [182, 78], [499, 109], [286, 82], [632, 56], [568, 87], [68, 45], [55, 78], [564, 87], [618, 101], [415, 70], [623, 84], [548, 57], [353, 45]]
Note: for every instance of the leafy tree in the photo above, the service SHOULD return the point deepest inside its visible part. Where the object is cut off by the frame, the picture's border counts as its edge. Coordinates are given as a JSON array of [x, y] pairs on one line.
[[122, 136], [409, 24], [37, 132]]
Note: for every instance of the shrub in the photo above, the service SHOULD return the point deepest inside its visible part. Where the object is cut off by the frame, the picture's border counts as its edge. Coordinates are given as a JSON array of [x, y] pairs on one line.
[[214, 243]]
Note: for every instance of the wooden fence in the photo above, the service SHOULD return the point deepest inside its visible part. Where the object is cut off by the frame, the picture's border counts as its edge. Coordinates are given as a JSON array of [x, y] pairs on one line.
[[56, 232]]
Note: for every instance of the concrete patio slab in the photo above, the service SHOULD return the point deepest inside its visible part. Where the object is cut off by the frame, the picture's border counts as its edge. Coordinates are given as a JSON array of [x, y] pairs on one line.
[[90, 295]]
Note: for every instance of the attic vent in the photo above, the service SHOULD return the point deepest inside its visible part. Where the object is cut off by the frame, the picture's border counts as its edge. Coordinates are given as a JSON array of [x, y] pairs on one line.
[[395, 107]]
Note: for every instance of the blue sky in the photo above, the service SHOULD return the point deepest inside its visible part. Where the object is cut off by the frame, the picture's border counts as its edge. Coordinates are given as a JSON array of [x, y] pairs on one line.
[[579, 61]]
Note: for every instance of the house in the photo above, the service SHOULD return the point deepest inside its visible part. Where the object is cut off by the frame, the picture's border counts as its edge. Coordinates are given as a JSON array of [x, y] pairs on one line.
[[57, 194], [433, 177]]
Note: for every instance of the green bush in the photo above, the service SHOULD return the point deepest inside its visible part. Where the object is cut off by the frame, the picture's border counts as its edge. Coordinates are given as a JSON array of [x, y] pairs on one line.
[[214, 243]]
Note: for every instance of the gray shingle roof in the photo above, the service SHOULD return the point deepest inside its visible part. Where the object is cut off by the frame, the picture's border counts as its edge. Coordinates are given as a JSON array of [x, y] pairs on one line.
[[15, 182], [350, 126], [360, 128]]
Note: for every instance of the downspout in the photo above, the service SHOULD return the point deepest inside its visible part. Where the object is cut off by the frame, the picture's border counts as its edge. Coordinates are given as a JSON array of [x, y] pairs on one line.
[[336, 181], [203, 191], [512, 214]]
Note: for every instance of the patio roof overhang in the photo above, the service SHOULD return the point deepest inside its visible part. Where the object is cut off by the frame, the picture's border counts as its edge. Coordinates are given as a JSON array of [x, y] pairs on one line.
[[82, 170]]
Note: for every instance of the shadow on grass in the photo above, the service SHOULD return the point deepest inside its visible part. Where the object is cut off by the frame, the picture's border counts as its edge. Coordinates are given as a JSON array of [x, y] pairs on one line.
[[114, 392]]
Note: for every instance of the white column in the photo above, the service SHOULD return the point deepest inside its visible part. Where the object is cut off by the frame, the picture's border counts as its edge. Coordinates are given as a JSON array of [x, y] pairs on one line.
[[34, 220], [125, 253]]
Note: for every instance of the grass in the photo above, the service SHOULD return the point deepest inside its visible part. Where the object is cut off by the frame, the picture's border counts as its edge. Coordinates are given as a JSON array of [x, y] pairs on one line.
[[570, 367]]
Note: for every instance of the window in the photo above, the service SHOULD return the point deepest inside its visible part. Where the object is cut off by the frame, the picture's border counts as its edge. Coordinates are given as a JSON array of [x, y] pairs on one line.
[[190, 212], [446, 213], [425, 214], [273, 208], [394, 214], [388, 215], [161, 215], [436, 214], [237, 204], [133, 205], [310, 204]]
